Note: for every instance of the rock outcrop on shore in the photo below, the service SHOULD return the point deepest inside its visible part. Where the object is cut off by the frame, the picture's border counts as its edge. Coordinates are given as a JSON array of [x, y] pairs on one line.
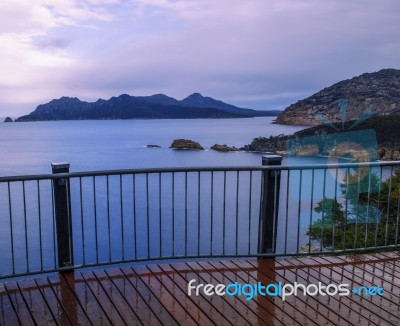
[[186, 144], [224, 148], [385, 132], [378, 92], [8, 119]]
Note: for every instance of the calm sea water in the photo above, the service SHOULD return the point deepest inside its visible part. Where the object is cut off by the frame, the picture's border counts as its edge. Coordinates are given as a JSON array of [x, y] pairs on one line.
[[31, 147]]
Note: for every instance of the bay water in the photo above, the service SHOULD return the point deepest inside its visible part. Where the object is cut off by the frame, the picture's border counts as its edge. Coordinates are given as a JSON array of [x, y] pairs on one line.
[[107, 226]]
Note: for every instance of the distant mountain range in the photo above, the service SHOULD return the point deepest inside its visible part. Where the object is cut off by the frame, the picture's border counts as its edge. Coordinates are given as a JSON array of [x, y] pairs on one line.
[[376, 93], [158, 106]]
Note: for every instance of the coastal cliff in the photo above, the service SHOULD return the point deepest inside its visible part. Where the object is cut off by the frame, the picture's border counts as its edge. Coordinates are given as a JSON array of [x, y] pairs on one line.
[[378, 91]]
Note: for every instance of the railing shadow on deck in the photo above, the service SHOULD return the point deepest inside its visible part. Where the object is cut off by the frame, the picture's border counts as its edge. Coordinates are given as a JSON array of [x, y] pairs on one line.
[[61, 221]]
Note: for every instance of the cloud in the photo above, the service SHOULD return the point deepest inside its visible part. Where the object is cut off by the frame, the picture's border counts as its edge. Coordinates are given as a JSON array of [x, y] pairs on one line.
[[254, 53]]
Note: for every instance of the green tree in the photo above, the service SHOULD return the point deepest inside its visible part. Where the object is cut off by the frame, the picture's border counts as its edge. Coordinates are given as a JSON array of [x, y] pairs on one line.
[[369, 217]]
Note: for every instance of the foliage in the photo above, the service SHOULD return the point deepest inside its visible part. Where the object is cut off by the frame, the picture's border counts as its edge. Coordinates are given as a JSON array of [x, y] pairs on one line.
[[368, 215]]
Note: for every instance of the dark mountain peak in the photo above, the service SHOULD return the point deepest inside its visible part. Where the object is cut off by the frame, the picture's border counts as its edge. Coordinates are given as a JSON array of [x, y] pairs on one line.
[[160, 96], [157, 106], [198, 100], [195, 96], [66, 99], [161, 99]]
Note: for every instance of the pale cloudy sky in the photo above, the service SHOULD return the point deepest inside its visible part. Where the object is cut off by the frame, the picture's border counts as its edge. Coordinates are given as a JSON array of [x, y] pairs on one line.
[[262, 54]]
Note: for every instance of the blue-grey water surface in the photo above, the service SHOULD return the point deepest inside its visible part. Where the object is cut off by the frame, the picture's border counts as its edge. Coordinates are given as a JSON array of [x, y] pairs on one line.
[[30, 147]]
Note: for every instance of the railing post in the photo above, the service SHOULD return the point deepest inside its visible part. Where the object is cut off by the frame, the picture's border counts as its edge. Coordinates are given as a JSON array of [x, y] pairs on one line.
[[62, 208], [270, 186]]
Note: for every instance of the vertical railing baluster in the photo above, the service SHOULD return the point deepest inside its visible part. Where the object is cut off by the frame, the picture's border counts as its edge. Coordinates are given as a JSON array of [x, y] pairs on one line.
[[311, 209], [224, 217], [186, 213], [323, 214], [53, 211], [346, 208], [250, 200], [40, 225], [173, 214], [358, 208], [368, 202], [26, 227], [198, 213], [212, 214], [237, 210], [108, 218], [11, 227], [388, 206], [299, 213], [160, 212], [134, 213], [287, 211], [334, 210], [147, 215], [82, 224], [397, 219], [95, 220], [379, 206], [121, 203]]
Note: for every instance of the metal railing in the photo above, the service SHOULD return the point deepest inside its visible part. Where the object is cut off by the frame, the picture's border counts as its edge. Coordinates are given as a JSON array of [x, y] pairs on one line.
[[68, 220]]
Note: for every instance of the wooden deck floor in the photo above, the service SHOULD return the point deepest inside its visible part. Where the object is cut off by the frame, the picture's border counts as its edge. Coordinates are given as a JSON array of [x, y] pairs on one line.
[[156, 294]]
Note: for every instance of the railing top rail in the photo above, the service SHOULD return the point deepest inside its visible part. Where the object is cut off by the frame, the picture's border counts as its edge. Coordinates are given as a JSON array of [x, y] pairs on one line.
[[196, 169]]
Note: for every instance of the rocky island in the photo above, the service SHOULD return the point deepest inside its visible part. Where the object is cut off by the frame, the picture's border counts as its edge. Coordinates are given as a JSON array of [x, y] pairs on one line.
[[186, 144]]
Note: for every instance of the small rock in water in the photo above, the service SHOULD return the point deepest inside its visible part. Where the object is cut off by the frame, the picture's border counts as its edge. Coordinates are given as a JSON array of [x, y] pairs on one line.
[[153, 146], [223, 148]]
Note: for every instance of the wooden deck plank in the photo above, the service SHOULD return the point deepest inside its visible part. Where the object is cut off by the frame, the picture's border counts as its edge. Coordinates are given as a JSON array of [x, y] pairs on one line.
[[364, 275], [134, 299], [224, 277], [241, 312], [52, 301], [280, 310], [181, 296], [181, 315], [20, 307], [157, 294], [127, 314], [201, 301], [148, 296], [75, 312], [104, 300], [350, 306], [7, 312], [306, 309], [218, 302], [41, 313], [382, 306]]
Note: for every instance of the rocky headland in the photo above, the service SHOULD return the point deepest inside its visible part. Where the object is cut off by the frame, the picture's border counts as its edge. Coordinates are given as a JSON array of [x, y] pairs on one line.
[[377, 93]]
